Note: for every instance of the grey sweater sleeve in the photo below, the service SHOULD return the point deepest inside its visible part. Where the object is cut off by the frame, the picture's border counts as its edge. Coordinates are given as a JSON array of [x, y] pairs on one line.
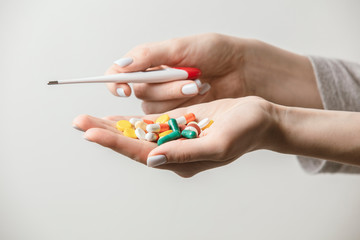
[[339, 86]]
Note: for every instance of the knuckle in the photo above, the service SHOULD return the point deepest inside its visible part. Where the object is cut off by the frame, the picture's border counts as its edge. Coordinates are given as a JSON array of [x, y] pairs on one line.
[[141, 51], [140, 90]]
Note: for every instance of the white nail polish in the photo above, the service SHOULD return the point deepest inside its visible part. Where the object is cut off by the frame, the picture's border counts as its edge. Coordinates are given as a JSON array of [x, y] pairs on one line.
[[86, 138], [190, 89], [156, 160], [121, 92], [204, 88], [198, 83], [123, 62], [77, 128]]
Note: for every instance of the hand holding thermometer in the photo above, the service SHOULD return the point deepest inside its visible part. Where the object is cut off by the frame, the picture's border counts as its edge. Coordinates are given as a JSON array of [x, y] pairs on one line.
[[156, 76]]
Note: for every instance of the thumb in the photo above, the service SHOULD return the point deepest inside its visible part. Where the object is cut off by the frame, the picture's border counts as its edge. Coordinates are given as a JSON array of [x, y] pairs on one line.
[[183, 151]]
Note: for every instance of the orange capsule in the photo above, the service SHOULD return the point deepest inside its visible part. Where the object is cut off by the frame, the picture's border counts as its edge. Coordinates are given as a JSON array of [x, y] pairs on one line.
[[162, 127], [148, 121], [186, 118]]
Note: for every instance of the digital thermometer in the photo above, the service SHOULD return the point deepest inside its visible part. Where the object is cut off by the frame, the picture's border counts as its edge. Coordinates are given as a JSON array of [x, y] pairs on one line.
[[155, 76]]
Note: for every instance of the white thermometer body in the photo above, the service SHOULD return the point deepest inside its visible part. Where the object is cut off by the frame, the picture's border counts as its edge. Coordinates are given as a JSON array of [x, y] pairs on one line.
[[156, 76]]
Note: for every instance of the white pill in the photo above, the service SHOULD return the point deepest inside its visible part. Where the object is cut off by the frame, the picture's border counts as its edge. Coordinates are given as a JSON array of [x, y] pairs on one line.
[[140, 133], [151, 137], [140, 124], [153, 128], [134, 120], [204, 122], [181, 120]]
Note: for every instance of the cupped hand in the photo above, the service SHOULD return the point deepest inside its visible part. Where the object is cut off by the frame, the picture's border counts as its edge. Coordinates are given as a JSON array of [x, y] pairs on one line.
[[219, 57], [240, 126]]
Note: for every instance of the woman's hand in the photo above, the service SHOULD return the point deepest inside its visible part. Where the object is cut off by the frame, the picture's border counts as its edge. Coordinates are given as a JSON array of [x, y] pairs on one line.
[[233, 67], [240, 126], [219, 57]]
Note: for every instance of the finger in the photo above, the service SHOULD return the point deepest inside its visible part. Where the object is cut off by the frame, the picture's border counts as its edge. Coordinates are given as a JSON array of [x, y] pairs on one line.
[[170, 52], [184, 151], [117, 89], [164, 106], [166, 91], [132, 148], [85, 122], [191, 168], [160, 107]]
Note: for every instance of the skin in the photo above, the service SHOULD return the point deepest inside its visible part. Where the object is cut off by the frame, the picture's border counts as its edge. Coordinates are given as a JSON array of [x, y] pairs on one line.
[[284, 118], [234, 67], [235, 137], [240, 126]]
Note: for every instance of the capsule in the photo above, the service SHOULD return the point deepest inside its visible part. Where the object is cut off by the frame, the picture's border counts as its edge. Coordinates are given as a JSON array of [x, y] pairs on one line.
[[162, 127], [169, 137], [165, 133], [208, 125], [122, 125], [162, 119], [203, 122], [186, 118], [140, 133], [141, 124], [193, 127], [188, 134], [148, 121], [182, 127], [173, 125], [151, 137]]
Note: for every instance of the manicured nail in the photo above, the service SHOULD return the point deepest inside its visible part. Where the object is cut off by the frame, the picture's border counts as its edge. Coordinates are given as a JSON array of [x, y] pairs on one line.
[[198, 83], [86, 138], [123, 62], [204, 88], [156, 160], [121, 92], [190, 89], [77, 128]]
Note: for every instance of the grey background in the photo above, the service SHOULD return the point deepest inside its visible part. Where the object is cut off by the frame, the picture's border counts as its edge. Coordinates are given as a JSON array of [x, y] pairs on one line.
[[55, 185]]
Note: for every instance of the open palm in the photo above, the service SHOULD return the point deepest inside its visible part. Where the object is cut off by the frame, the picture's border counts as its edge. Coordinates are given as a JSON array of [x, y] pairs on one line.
[[240, 126]]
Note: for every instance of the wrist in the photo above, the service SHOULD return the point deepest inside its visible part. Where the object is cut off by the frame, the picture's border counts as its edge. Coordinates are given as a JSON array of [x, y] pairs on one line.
[[279, 76]]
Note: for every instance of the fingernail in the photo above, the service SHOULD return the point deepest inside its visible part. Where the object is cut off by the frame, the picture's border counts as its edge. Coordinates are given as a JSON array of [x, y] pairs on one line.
[[86, 138], [204, 88], [121, 92], [198, 83], [123, 62], [190, 89], [77, 128], [156, 160]]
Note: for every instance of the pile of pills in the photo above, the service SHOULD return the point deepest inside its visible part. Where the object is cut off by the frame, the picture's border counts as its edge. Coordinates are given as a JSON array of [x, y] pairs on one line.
[[164, 129]]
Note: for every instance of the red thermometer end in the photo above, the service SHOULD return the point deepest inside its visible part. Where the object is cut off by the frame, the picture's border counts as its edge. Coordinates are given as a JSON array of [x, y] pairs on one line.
[[193, 73]]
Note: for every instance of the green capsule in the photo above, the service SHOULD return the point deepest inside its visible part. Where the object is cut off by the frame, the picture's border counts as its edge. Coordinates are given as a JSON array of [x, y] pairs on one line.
[[172, 136], [188, 134], [173, 125]]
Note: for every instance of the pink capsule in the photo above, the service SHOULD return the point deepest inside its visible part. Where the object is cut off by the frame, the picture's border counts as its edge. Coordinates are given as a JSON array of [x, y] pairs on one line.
[[195, 126]]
